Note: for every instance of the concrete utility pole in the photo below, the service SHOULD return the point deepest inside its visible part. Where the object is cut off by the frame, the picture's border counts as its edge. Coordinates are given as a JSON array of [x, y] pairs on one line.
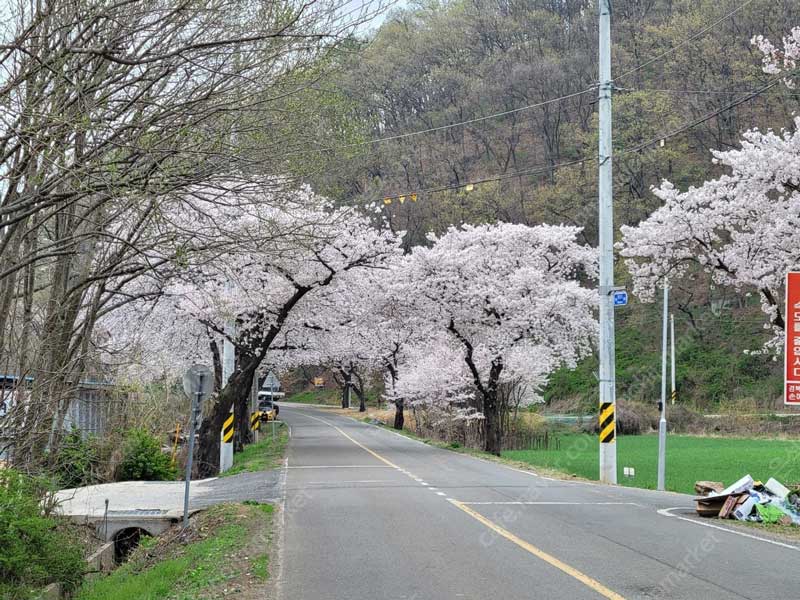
[[662, 422], [228, 365], [674, 390], [608, 446]]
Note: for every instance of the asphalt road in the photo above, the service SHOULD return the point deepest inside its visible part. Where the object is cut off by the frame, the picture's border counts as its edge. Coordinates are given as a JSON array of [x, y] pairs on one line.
[[372, 515]]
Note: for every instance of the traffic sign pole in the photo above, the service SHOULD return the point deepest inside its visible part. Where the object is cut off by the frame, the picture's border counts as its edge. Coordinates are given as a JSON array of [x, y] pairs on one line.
[[196, 384]]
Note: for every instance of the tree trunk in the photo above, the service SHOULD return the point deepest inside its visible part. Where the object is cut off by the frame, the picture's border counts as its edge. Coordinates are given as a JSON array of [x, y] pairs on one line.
[[238, 385], [399, 417], [241, 410], [492, 426], [348, 380], [492, 410], [358, 387]]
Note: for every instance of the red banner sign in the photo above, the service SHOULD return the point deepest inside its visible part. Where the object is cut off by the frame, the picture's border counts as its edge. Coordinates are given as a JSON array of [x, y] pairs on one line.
[[791, 394]]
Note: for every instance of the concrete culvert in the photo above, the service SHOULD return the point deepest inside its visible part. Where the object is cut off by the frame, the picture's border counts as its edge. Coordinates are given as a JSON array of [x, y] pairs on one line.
[[125, 540]]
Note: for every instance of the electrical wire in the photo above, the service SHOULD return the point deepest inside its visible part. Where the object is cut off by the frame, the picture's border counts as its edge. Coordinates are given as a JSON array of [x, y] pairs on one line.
[[703, 119], [688, 40], [545, 168], [401, 136], [696, 92]]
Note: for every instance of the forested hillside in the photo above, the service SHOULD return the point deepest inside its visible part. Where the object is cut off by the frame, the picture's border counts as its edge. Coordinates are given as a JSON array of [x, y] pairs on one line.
[[479, 110]]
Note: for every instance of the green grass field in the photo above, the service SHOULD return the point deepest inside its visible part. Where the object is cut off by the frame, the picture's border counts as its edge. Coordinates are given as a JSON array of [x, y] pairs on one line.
[[316, 396], [689, 459]]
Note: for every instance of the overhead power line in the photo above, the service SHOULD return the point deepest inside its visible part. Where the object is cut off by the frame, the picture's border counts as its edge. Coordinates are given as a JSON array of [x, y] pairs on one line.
[[703, 119], [413, 195], [593, 88], [695, 92], [685, 42], [401, 136]]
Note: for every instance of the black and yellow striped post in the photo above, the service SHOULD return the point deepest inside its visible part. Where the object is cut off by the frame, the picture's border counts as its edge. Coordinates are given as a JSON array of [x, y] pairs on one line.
[[674, 396], [255, 420], [227, 430], [608, 423]]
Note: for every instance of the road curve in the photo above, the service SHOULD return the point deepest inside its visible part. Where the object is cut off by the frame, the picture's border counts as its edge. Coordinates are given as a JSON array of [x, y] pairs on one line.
[[372, 515]]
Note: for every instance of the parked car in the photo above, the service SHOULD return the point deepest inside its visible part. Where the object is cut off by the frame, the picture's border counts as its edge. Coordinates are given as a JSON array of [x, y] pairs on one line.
[[269, 410]]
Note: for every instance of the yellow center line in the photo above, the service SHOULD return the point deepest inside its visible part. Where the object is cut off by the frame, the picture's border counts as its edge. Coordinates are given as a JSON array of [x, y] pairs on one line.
[[357, 443], [548, 558]]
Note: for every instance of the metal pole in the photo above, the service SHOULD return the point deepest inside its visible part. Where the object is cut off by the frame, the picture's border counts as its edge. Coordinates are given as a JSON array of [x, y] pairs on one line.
[[674, 391], [662, 422], [608, 448], [192, 424]]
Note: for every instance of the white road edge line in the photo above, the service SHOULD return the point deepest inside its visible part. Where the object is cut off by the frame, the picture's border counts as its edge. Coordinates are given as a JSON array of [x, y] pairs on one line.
[[341, 467], [554, 503], [353, 481], [665, 512], [281, 530]]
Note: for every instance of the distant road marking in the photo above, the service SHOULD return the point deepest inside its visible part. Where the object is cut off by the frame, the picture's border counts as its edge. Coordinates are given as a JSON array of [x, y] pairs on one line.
[[354, 481], [666, 512], [554, 503], [357, 443], [339, 467], [441, 494], [548, 558]]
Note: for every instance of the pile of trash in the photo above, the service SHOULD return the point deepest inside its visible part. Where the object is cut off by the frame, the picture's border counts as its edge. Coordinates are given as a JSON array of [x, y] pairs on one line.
[[748, 500]]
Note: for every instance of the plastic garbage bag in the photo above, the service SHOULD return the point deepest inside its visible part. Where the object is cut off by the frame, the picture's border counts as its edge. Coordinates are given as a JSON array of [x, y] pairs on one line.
[[769, 513]]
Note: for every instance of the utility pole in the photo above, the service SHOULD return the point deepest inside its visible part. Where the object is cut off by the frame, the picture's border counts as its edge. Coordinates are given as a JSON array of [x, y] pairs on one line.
[[228, 365], [674, 394], [662, 422], [608, 446]]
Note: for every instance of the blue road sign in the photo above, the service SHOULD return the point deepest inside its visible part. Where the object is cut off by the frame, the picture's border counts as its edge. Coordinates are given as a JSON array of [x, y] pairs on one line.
[[621, 298]]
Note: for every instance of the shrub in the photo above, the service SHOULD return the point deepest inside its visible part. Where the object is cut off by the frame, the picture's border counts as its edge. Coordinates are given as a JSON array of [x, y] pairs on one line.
[[34, 553], [77, 460], [633, 418], [143, 460]]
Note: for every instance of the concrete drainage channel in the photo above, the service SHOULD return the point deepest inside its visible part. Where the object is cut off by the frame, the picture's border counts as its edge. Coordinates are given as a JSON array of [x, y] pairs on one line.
[[121, 513], [124, 528], [121, 531]]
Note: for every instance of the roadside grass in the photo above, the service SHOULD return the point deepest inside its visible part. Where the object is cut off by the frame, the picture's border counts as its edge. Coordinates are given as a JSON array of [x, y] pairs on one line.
[[215, 557], [316, 396], [790, 533], [689, 459], [266, 454], [332, 397]]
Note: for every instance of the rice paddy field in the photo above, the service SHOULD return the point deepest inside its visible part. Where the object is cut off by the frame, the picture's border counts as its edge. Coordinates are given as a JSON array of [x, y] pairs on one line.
[[689, 459]]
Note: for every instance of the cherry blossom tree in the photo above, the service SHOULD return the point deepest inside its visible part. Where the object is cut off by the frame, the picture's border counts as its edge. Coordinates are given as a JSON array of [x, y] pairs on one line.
[[740, 229], [357, 329], [509, 300], [777, 61], [272, 261]]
